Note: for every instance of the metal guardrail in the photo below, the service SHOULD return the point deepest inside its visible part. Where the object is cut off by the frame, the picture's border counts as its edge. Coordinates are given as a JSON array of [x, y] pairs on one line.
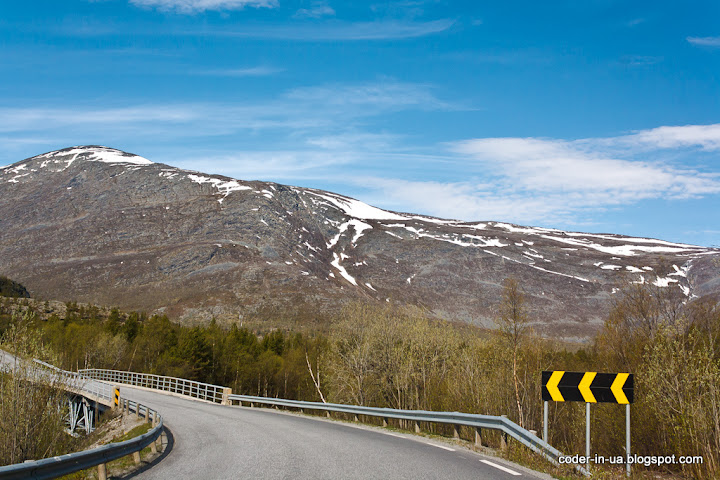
[[74, 380], [73, 462], [502, 424], [219, 394], [191, 388]]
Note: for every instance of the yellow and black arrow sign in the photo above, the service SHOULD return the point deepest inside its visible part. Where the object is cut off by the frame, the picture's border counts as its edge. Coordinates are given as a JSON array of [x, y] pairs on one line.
[[590, 387]]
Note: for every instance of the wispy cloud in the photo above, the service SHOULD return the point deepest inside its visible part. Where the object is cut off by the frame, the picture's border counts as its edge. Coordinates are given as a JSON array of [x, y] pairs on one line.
[[328, 117], [355, 141], [705, 41], [635, 22], [318, 10], [640, 60], [706, 137], [385, 95], [520, 57], [260, 71], [326, 30], [289, 166], [589, 168], [335, 30], [464, 201], [196, 6]]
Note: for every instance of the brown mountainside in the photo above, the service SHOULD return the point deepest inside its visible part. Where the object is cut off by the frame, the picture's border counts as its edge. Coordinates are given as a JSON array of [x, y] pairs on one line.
[[98, 225]]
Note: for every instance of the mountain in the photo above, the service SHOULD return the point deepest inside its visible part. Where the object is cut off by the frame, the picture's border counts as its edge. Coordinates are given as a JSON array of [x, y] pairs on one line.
[[95, 224]]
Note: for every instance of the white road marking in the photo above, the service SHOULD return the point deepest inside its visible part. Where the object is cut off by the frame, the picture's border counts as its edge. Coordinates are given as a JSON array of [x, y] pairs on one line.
[[443, 447], [500, 467], [394, 435]]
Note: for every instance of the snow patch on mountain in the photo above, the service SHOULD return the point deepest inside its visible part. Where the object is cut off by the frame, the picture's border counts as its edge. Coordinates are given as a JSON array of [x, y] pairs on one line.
[[357, 209], [224, 187], [336, 263], [96, 154], [359, 227]]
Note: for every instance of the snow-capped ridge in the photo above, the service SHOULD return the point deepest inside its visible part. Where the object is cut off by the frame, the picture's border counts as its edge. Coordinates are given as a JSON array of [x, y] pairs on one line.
[[95, 153]]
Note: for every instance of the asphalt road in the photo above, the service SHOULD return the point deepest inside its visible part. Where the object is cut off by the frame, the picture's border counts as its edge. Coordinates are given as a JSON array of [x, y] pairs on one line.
[[221, 442]]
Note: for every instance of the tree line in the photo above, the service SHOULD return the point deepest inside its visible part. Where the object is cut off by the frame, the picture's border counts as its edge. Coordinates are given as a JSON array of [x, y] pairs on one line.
[[384, 356]]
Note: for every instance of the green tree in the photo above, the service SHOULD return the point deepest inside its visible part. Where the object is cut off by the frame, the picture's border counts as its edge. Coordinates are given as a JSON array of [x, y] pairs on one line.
[[31, 424], [9, 288], [195, 350]]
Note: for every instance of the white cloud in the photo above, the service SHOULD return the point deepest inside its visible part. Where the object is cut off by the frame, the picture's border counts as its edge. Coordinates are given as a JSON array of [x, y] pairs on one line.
[[464, 201], [196, 6], [316, 11], [354, 141], [335, 30], [334, 108], [264, 165], [328, 30], [706, 137], [705, 41], [586, 168], [384, 95]]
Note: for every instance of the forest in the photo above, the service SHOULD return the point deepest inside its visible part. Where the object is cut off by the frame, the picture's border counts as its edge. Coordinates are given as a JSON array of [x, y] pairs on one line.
[[379, 355]]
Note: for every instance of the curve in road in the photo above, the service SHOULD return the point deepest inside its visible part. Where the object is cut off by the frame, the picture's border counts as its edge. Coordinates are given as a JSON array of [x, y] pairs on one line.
[[214, 441]]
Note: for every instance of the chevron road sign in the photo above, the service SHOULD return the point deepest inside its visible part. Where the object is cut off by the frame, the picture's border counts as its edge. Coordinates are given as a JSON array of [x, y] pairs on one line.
[[589, 387]]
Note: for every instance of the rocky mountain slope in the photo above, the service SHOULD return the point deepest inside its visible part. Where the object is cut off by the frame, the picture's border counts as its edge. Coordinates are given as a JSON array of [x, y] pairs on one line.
[[98, 225]]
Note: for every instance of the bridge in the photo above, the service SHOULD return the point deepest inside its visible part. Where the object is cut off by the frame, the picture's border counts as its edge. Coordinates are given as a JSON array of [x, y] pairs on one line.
[[214, 434]]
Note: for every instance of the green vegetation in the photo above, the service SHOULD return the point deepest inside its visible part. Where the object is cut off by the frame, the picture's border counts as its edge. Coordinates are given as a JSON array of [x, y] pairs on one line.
[[135, 432], [9, 288], [399, 358], [28, 428]]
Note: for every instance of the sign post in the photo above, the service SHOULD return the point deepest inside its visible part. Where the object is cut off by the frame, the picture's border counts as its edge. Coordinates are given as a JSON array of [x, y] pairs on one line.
[[590, 387], [627, 438]]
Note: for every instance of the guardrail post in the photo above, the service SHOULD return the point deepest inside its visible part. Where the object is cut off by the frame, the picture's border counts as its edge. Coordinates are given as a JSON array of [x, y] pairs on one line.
[[456, 431], [102, 472], [478, 437], [136, 458], [137, 411], [385, 422], [328, 414], [356, 418], [417, 427], [503, 438]]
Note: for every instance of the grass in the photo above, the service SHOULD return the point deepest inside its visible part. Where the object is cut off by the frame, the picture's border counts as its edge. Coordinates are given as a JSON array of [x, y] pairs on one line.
[[121, 464]]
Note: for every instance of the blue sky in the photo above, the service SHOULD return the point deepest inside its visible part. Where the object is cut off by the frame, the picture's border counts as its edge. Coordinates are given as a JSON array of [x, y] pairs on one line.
[[598, 115]]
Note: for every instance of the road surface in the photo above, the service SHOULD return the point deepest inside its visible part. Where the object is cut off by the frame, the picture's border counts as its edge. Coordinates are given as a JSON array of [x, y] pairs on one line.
[[214, 441]]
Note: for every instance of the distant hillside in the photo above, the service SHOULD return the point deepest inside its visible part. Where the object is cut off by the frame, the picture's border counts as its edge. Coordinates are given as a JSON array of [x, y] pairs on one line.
[[97, 225]]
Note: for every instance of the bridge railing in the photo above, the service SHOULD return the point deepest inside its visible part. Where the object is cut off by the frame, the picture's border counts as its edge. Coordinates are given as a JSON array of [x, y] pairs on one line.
[[97, 457], [75, 381], [219, 394], [181, 386]]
